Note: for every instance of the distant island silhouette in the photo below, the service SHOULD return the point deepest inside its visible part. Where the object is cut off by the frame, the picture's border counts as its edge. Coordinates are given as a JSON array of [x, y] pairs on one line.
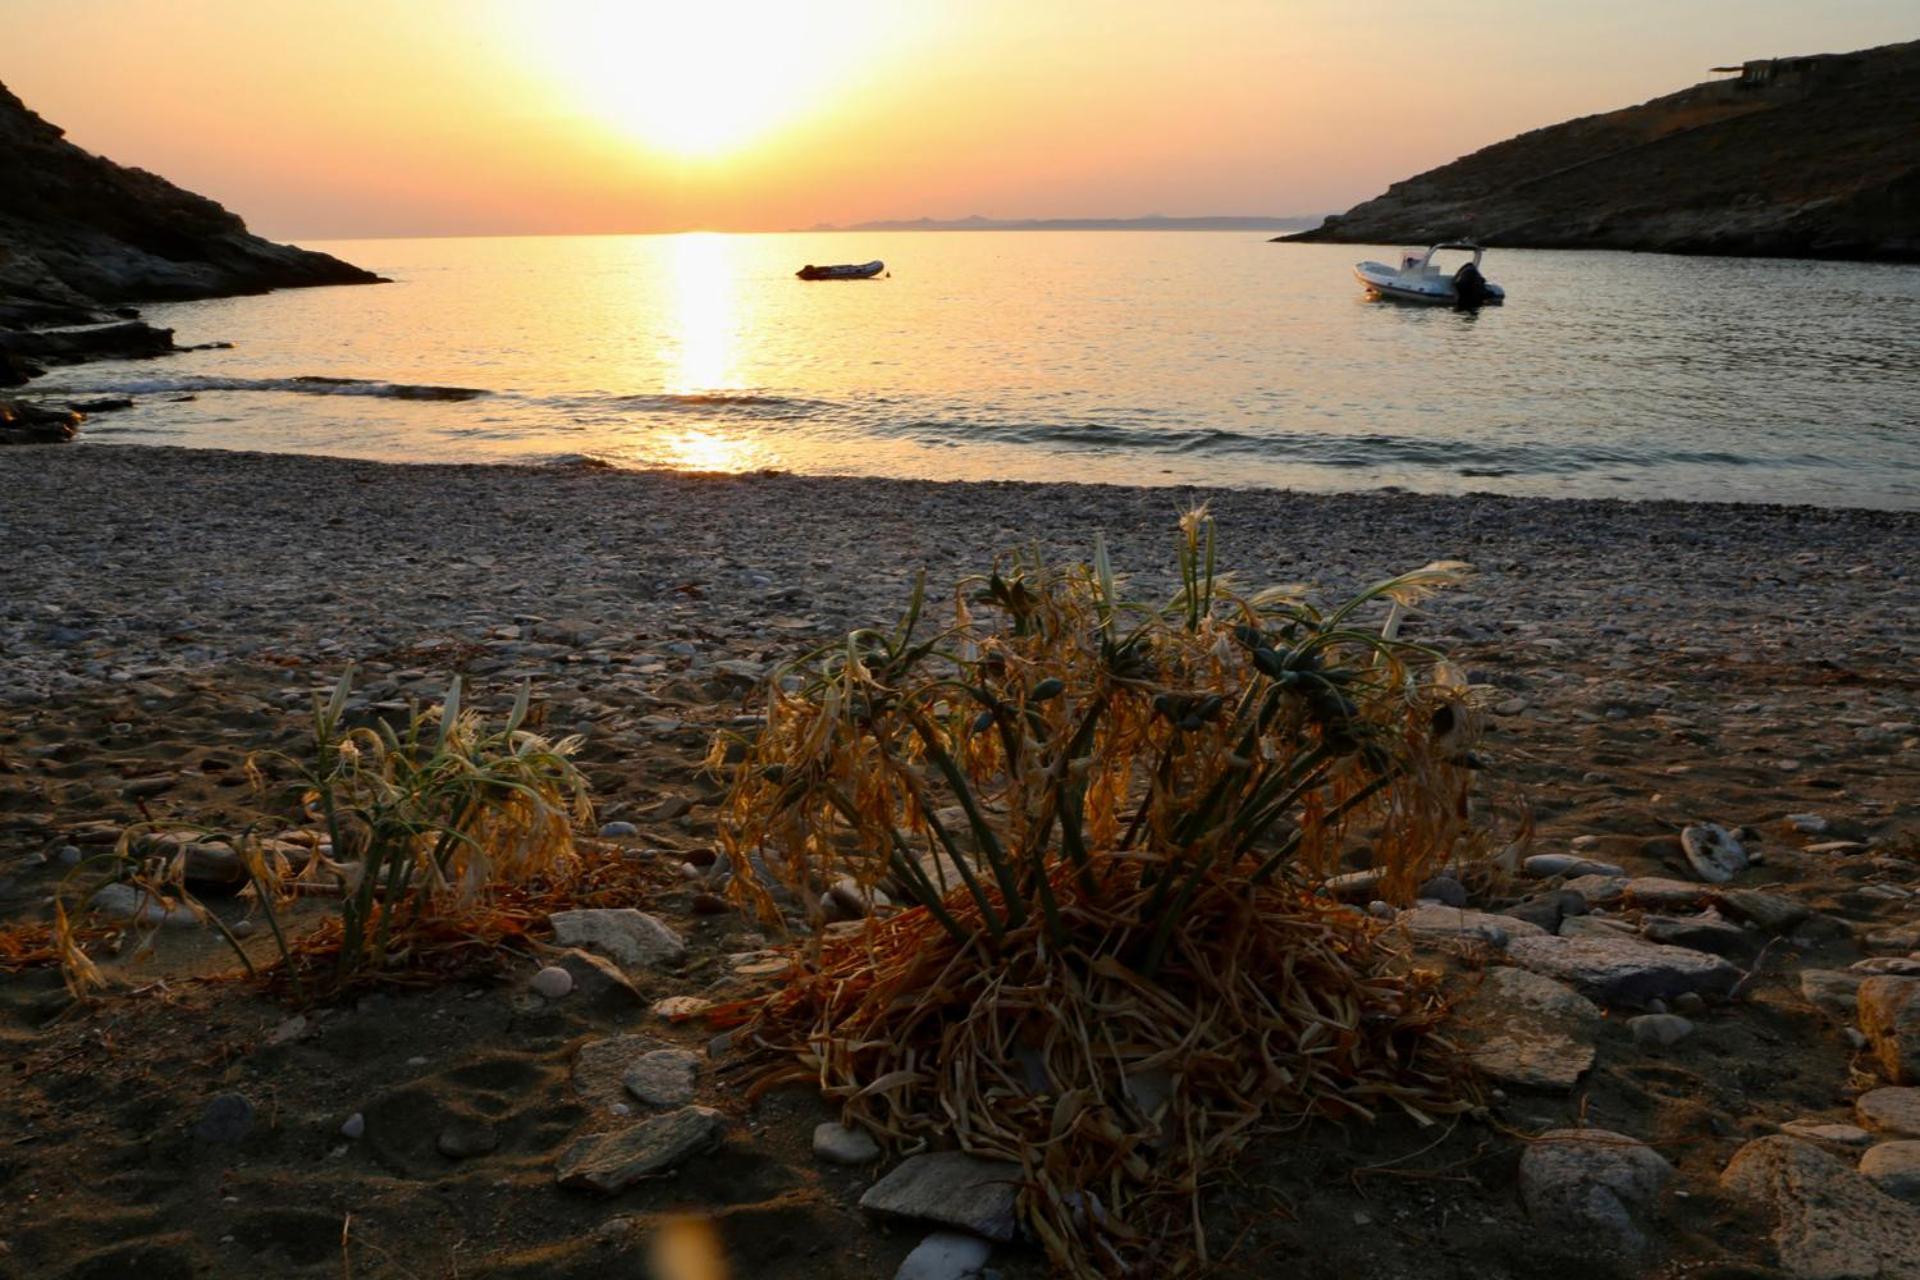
[[1152, 222]]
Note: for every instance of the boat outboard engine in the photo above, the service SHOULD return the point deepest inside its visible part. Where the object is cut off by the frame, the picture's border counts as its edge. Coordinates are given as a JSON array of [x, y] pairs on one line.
[[1469, 287]]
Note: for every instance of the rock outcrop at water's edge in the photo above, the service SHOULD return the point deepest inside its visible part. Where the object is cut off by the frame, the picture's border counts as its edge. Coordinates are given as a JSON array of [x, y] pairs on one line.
[[80, 236], [78, 230], [1813, 156]]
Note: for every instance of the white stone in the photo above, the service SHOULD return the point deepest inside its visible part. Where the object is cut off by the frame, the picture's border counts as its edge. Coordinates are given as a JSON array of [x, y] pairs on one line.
[[289, 1030], [945, 1255], [552, 982], [353, 1126]]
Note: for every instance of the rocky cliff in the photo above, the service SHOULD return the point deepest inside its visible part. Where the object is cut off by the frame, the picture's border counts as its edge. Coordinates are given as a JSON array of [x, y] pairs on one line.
[[1815, 156], [78, 230]]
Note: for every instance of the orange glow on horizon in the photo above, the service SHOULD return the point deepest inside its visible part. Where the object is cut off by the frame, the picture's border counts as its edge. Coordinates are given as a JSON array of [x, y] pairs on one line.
[[320, 119]]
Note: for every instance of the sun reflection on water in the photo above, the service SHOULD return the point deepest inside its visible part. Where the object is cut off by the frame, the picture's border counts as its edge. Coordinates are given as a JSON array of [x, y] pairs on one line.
[[701, 450], [702, 356]]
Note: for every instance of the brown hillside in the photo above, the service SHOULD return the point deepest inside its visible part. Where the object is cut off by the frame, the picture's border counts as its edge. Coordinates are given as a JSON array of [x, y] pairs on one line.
[[1815, 156]]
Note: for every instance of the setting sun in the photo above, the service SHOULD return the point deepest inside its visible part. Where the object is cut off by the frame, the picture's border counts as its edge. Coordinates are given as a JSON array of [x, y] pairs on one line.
[[699, 81]]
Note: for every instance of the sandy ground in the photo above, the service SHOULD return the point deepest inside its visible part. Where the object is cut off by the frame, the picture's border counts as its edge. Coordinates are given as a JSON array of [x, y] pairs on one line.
[[166, 612]]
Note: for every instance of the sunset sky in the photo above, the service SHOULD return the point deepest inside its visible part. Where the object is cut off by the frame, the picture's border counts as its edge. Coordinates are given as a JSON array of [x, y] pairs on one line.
[[334, 118]]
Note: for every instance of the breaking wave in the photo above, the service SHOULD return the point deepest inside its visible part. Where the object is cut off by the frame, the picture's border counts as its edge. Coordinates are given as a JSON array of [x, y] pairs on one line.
[[307, 384]]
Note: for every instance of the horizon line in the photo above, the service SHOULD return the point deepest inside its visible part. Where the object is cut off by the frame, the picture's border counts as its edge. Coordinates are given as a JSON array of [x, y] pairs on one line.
[[896, 225]]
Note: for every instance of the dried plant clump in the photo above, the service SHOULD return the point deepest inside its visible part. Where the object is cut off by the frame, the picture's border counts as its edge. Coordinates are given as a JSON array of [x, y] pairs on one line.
[[1103, 814], [424, 828]]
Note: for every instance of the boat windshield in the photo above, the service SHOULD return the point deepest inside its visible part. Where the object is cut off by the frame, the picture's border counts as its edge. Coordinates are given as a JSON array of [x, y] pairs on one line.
[[1448, 259]]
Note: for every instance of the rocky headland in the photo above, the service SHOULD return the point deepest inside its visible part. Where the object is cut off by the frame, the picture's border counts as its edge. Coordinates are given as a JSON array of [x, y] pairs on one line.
[[1815, 156], [82, 237]]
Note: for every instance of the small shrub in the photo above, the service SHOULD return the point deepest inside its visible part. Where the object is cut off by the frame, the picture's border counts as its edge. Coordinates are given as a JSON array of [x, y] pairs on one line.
[[1103, 814], [439, 814], [423, 824]]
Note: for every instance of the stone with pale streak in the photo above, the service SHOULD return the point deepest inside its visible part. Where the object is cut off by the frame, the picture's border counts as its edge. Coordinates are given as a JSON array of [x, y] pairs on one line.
[[611, 1162]]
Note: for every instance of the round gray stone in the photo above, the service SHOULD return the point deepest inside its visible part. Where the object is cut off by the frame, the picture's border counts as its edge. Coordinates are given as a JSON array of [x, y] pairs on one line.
[[663, 1078], [842, 1144], [1594, 1184], [1659, 1030]]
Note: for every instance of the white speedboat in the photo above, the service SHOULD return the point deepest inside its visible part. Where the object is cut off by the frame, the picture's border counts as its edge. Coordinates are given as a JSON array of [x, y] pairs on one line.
[[1419, 279]]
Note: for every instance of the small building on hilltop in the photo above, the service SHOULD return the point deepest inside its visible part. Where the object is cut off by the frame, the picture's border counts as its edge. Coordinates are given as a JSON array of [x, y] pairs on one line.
[[1767, 73]]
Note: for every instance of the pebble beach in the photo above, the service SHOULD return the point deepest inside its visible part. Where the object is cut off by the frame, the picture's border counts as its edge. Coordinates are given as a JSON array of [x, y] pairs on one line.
[[1646, 668]]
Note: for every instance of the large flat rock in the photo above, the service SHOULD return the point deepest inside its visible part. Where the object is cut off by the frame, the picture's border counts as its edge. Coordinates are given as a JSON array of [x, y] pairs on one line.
[[952, 1189], [1830, 1222], [611, 1162], [1625, 971], [1526, 1029], [1436, 922], [632, 939]]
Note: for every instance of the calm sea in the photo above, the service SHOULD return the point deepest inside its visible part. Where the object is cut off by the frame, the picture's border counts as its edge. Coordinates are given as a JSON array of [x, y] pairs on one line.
[[1140, 358]]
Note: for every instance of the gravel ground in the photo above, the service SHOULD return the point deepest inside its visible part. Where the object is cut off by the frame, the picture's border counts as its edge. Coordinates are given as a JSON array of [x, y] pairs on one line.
[[166, 612], [130, 559]]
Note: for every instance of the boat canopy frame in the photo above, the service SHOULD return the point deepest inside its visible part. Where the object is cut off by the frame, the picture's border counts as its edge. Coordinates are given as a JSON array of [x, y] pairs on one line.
[[1478, 251]]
